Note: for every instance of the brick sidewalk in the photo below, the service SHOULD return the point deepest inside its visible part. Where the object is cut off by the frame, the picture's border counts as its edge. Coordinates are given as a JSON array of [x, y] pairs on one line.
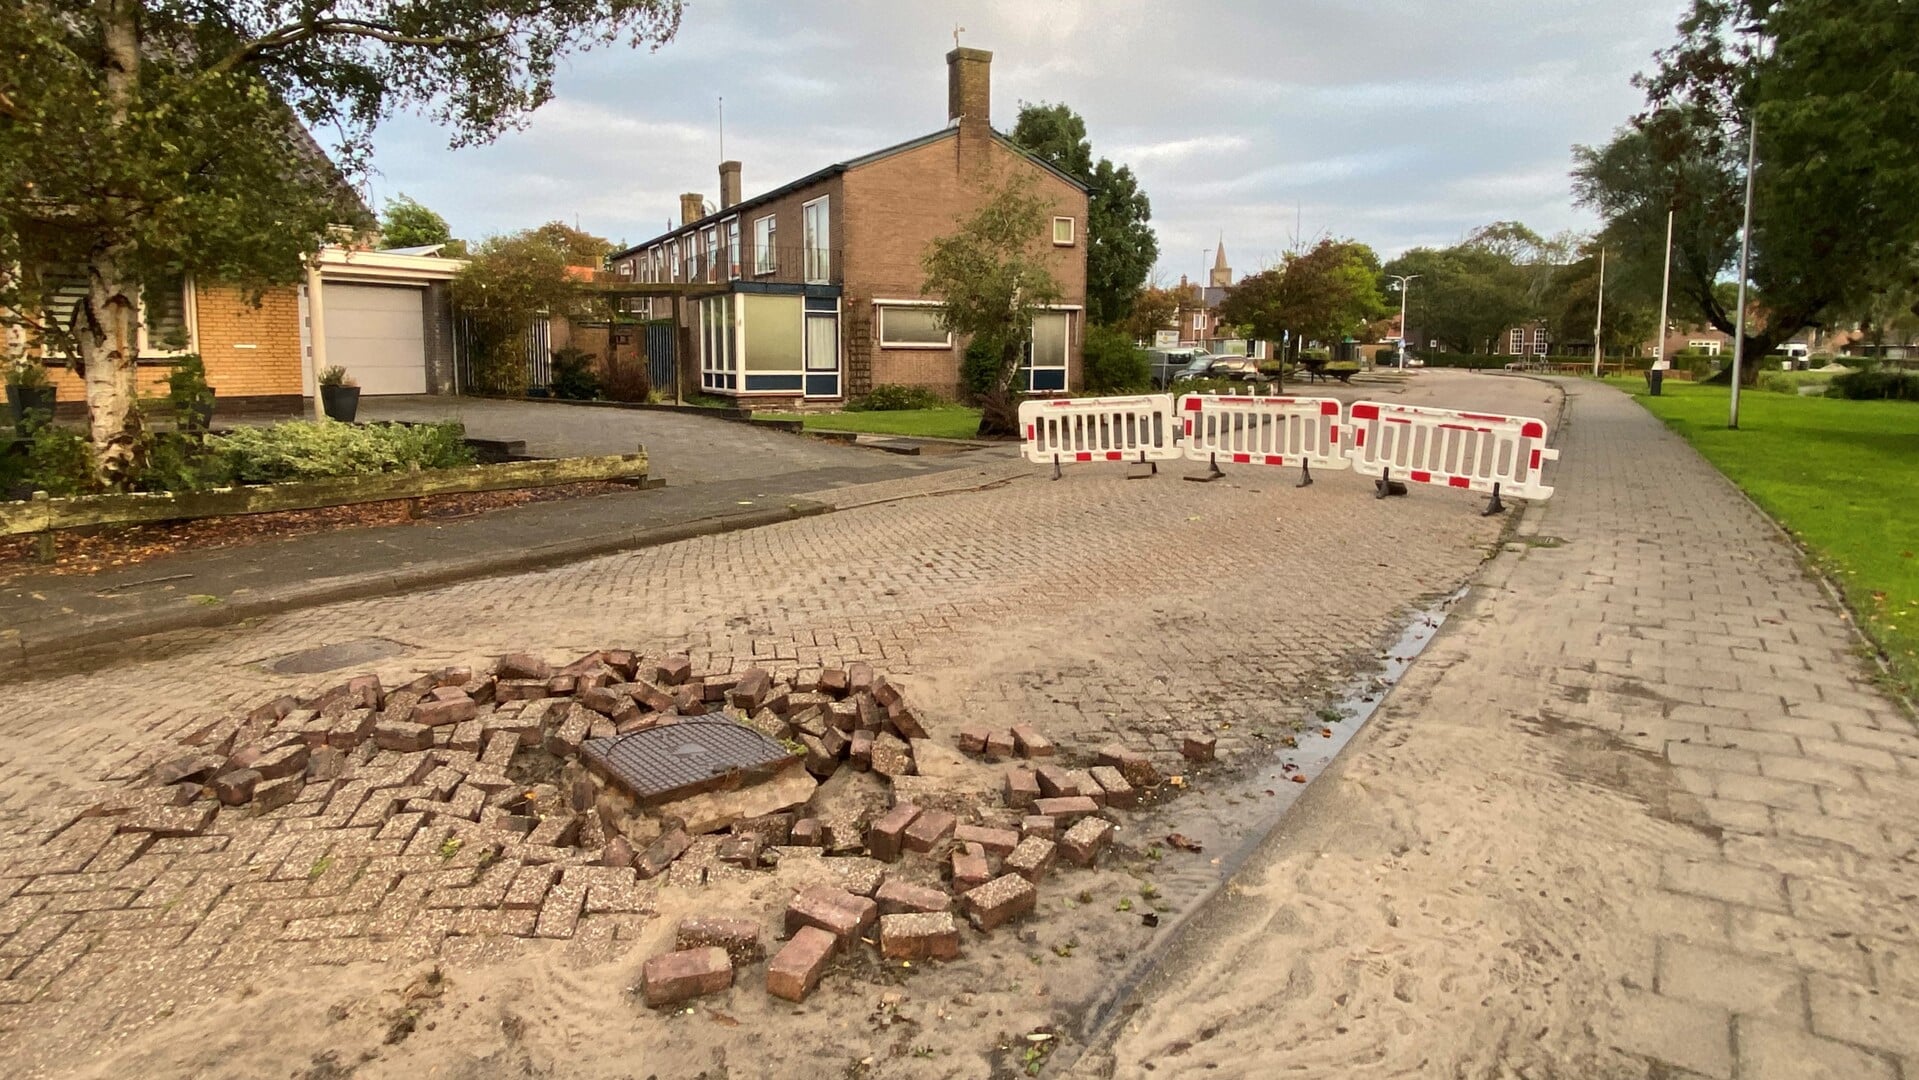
[[1639, 812]]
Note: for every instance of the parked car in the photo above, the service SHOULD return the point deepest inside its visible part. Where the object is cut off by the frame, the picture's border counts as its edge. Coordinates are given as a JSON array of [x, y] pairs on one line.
[[1221, 367], [1168, 363]]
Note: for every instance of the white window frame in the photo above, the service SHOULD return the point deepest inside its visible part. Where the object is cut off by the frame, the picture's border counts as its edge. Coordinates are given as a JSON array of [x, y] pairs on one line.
[[1199, 323], [1072, 232], [816, 243], [1066, 361], [710, 251], [879, 316], [730, 246], [1516, 341], [766, 256], [672, 261]]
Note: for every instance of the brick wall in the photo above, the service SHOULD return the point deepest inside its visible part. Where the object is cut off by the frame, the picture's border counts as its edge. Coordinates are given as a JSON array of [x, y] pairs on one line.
[[898, 205], [250, 351]]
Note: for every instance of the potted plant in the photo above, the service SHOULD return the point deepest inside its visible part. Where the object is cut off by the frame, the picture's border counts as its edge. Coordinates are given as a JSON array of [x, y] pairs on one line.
[[192, 398], [30, 393], [339, 394]]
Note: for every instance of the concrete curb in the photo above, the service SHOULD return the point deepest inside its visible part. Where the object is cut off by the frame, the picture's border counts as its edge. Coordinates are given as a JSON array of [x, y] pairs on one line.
[[59, 649]]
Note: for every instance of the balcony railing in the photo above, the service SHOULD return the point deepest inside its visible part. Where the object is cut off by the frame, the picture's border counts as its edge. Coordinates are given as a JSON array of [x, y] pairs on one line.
[[785, 265]]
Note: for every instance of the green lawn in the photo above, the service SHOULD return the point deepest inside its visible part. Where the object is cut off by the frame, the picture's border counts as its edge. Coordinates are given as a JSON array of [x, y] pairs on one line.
[[1839, 474], [953, 422]]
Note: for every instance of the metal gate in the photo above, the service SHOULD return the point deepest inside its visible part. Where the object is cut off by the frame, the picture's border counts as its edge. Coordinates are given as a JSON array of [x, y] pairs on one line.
[[538, 346], [661, 370]]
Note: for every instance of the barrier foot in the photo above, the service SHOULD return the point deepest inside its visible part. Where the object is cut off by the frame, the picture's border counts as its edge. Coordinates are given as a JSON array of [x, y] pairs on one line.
[[1056, 473], [1305, 474], [1386, 485], [1212, 472], [1494, 506], [1154, 465]]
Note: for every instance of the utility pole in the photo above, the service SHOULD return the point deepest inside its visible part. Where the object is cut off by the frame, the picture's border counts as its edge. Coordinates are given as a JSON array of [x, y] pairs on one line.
[[1659, 363], [1599, 313], [1745, 255]]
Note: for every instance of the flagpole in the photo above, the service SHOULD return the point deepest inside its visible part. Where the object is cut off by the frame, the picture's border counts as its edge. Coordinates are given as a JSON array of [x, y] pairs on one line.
[[1665, 299]]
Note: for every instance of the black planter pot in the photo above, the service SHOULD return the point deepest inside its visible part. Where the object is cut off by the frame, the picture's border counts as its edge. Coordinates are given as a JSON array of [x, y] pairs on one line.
[[341, 403], [197, 417], [22, 400]]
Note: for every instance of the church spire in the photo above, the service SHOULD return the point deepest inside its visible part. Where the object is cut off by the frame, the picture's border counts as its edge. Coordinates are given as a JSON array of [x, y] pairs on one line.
[[1222, 276]]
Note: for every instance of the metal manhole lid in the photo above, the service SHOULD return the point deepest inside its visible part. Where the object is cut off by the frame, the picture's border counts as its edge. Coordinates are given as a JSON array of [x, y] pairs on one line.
[[677, 760]]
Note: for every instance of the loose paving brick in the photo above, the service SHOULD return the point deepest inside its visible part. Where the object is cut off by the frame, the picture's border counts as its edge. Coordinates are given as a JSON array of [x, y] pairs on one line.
[[739, 937], [1083, 842], [919, 936], [898, 897], [840, 913], [1000, 901], [795, 970], [1032, 859], [684, 975]]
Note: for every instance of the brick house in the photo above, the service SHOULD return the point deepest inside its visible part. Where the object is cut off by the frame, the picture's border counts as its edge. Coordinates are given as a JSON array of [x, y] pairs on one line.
[[383, 316], [817, 282]]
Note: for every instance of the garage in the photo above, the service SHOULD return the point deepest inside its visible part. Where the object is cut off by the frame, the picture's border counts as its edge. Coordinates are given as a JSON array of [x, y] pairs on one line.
[[378, 334]]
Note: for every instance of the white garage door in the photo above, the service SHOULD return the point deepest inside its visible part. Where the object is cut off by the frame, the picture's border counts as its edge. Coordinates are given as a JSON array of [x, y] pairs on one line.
[[378, 334]]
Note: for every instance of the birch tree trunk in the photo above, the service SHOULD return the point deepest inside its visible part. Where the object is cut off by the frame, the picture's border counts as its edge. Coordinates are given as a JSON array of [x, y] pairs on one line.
[[108, 323]]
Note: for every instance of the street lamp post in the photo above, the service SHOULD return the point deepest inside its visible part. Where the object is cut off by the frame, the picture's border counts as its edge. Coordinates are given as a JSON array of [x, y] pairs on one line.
[[1745, 254], [1405, 287]]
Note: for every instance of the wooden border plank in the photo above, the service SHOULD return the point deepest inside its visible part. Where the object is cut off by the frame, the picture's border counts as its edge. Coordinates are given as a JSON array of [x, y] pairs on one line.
[[42, 514]]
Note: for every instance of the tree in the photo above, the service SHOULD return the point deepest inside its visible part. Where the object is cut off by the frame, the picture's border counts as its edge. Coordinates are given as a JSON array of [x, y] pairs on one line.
[[1836, 192], [1154, 308], [581, 248], [1570, 304], [991, 278], [1466, 295], [1120, 245], [145, 139], [1326, 293], [505, 285], [408, 223]]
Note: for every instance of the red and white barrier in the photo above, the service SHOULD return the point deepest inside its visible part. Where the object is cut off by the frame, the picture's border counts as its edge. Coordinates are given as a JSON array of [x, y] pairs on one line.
[[1302, 431], [1140, 430], [1450, 448]]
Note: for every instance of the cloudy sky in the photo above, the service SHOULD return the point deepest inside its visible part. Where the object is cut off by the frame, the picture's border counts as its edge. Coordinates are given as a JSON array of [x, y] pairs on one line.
[[1395, 122]]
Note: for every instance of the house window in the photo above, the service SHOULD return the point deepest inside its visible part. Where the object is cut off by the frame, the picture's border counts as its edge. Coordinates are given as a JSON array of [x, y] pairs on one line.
[[815, 234], [164, 328], [913, 328], [672, 262], [1046, 353], [710, 268], [715, 329], [732, 249], [1063, 232], [1539, 340], [765, 260], [1199, 324], [1516, 341], [1258, 350]]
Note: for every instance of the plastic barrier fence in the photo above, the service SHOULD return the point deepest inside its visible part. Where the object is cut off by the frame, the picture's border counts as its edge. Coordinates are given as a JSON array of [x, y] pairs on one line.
[[1139, 430], [1298, 431], [1475, 451]]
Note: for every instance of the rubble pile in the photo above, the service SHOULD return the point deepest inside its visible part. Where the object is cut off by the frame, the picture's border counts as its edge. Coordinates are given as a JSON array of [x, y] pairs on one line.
[[616, 764]]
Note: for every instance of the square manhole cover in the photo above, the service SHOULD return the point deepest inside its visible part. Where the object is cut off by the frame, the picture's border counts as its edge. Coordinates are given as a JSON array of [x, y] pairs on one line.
[[662, 764], [334, 657]]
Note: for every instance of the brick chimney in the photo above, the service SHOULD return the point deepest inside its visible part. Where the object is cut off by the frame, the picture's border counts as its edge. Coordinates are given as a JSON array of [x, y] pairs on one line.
[[969, 88], [729, 184], [692, 207]]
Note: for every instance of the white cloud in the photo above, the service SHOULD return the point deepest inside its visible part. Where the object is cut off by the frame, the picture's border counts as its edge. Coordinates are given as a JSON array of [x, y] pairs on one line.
[[1396, 122]]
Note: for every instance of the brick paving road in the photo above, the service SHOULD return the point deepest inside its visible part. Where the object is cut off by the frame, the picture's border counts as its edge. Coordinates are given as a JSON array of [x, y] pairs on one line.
[[1095, 607], [1639, 812]]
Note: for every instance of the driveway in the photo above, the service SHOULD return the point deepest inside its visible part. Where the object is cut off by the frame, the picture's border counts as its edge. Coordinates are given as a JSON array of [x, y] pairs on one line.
[[682, 449]]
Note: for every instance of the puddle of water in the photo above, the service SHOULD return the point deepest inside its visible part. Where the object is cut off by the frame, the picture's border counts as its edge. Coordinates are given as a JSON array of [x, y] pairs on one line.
[[336, 656], [1231, 813]]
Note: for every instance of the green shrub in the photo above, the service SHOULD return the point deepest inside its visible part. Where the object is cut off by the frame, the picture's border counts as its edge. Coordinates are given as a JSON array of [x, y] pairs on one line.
[[895, 398], [60, 462], [1774, 382], [979, 368], [573, 376], [1113, 363], [1876, 386], [302, 450], [626, 380], [188, 392]]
